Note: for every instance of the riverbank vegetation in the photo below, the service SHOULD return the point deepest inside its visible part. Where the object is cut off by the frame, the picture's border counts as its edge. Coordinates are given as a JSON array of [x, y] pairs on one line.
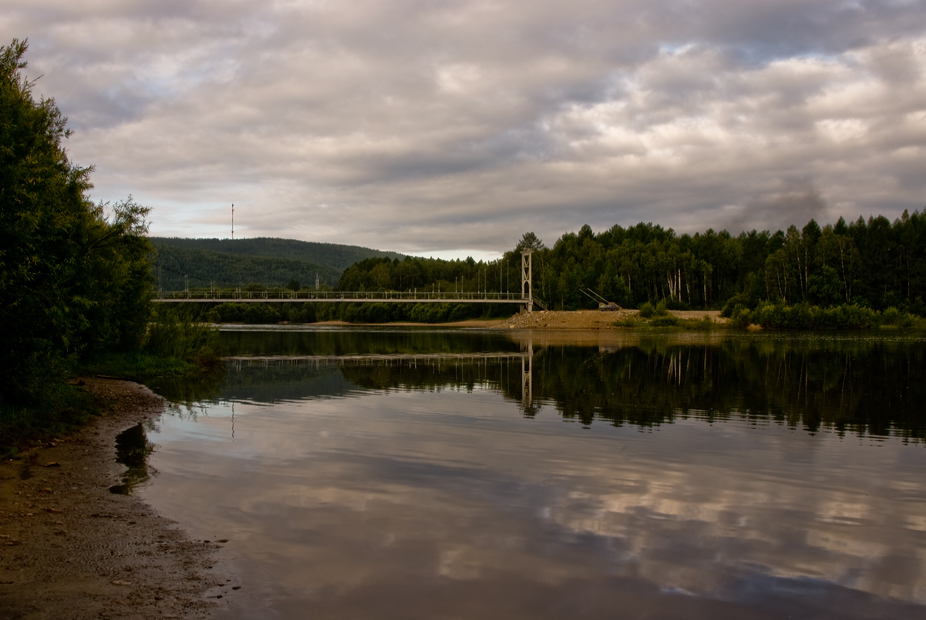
[[874, 263], [75, 277], [864, 274], [308, 312], [860, 274]]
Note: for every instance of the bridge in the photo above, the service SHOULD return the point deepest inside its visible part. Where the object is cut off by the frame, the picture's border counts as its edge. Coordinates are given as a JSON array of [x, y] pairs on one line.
[[525, 298]]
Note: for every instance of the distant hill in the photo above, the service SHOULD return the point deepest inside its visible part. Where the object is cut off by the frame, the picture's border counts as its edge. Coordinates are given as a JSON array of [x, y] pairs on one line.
[[264, 260]]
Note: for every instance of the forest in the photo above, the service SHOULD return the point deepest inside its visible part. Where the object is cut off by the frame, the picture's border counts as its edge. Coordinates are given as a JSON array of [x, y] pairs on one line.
[[179, 264], [842, 275], [873, 263]]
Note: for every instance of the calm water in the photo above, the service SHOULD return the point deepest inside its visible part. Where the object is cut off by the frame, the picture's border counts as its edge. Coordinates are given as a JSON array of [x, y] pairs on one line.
[[439, 474]]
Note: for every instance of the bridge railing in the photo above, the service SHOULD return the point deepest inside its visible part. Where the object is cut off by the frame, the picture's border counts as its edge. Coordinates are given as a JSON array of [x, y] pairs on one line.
[[345, 296]]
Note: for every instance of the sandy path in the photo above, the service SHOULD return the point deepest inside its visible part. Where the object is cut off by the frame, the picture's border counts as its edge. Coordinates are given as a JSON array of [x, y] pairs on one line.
[[71, 549]]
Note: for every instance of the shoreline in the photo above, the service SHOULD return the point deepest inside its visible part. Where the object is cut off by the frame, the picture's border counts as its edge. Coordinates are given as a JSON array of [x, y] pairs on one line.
[[69, 546], [547, 319]]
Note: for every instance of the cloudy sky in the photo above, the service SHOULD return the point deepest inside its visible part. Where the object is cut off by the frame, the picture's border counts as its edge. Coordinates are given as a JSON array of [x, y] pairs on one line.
[[454, 126]]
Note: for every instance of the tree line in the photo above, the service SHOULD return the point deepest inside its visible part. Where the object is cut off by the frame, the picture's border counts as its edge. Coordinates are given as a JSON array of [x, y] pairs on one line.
[[872, 263]]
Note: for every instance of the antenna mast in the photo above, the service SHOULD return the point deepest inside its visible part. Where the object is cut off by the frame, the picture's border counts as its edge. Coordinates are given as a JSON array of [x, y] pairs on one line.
[[233, 221]]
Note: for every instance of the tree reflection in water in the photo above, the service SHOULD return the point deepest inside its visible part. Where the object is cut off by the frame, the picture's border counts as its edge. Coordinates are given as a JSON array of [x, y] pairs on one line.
[[860, 385]]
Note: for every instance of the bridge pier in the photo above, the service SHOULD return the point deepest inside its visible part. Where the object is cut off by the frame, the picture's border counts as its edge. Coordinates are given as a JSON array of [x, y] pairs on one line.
[[527, 279]]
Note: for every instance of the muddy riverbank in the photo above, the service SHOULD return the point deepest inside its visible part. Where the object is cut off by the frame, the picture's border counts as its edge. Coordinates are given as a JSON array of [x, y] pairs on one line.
[[71, 548]]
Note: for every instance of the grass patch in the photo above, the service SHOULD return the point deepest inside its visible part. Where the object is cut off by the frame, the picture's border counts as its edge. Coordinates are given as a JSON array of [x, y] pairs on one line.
[[704, 324], [137, 367], [63, 409], [665, 320], [668, 320]]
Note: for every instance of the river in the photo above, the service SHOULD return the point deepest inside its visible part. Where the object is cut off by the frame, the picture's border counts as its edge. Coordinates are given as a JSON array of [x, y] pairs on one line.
[[428, 473]]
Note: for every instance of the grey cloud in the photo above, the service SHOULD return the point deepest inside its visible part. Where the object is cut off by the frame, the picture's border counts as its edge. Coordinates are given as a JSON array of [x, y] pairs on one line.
[[414, 124], [796, 202], [766, 31]]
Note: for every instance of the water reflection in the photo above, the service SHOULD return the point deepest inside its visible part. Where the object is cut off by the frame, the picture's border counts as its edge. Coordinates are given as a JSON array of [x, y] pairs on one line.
[[862, 385], [133, 450], [391, 481]]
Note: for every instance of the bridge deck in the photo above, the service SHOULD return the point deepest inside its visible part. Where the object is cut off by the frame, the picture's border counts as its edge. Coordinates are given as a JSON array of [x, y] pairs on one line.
[[392, 297], [397, 357]]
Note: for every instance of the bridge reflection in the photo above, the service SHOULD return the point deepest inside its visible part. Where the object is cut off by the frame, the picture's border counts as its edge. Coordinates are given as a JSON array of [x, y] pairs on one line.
[[412, 361]]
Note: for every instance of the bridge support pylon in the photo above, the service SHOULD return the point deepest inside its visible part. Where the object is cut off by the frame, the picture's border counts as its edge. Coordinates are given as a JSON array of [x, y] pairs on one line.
[[527, 279]]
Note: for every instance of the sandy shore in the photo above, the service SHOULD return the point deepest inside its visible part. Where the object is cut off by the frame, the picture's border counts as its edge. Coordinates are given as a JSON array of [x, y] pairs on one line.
[[70, 548], [550, 319], [593, 319]]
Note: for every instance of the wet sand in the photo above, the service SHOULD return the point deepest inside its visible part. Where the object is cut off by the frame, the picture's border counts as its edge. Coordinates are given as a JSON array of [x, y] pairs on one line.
[[70, 548]]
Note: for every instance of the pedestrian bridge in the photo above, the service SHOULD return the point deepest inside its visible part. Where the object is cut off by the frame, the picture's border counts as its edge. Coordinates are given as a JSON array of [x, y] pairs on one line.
[[392, 297], [524, 298]]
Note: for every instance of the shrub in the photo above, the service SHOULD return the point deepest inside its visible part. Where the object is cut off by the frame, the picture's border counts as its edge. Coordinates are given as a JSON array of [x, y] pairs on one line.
[[892, 317], [665, 320], [661, 309], [741, 317], [736, 301], [174, 335], [804, 316]]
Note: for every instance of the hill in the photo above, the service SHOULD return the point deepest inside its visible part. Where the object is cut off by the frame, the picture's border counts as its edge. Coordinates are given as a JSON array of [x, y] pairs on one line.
[[264, 260]]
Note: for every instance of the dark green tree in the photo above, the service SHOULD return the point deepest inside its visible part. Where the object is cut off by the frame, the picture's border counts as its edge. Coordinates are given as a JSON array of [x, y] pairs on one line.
[[529, 241], [73, 275]]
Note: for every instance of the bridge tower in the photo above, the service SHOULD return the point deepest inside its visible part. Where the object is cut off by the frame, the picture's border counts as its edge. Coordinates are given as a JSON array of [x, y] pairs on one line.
[[527, 279]]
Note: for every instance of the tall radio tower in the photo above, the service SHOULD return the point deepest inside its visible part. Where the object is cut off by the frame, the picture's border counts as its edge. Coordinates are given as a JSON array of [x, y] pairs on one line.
[[233, 221]]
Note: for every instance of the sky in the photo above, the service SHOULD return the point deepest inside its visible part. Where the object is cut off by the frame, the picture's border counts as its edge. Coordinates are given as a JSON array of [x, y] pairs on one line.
[[451, 127]]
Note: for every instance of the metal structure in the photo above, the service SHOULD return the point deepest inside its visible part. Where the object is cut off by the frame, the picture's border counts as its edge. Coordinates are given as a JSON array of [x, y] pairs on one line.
[[527, 278], [603, 304]]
